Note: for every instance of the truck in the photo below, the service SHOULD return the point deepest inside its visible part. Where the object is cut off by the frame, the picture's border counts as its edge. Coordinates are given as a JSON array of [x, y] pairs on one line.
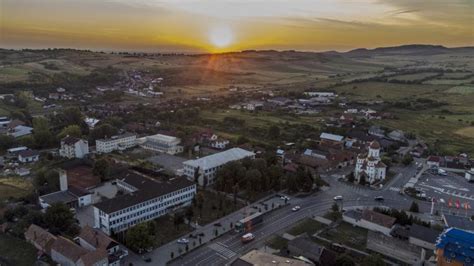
[[246, 224], [247, 238]]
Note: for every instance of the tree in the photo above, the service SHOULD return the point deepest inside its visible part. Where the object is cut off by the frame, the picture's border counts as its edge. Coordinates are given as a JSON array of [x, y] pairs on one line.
[[178, 219], [344, 260], [59, 218], [41, 133], [414, 207], [373, 260], [189, 214], [71, 130], [139, 238], [407, 159], [101, 168], [6, 142], [362, 180], [102, 131], [196, 175], [200, 202], [351, 178]]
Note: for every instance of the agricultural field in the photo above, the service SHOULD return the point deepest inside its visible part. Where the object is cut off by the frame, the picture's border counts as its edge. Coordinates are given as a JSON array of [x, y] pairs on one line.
[[14, 187], [462, 90], [413, 77]]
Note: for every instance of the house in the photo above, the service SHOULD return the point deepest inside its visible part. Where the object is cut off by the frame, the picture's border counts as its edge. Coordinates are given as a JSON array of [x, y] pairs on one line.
[[94, 239], [40, 238], [423, 237], [260, 258], [320, 94], [370, 220], [370, 166], [20, 131], [397, 135], [66, 252], [71, 195], [91, 122], [143, 199], [455, 247], [280, 101], [376, 131], [206, 167], [28, 156], [72, 147], [254, 105], [4, 121], [163, 143], [305, 247], [219, 143], [434, 161], [331, 137], [116, 143]]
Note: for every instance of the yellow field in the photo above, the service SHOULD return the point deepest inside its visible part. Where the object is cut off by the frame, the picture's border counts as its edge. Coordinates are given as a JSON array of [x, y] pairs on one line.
[[466, 132]]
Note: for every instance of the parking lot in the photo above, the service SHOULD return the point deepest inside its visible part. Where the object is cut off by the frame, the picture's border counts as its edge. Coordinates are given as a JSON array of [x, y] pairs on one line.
[[442, 188]]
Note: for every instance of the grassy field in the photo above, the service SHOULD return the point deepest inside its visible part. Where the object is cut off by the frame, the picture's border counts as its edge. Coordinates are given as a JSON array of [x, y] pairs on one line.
[[16, 252], [14, 187], [277, 242], [166, 231], [413, 77], [462, 89], [308, 226]]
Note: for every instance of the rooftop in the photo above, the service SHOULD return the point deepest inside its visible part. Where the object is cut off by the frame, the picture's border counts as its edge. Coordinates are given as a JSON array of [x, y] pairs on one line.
[[220, 158], [424, 233], [125, 135], [378, 218], [457, 245], [148, 188], [458, 222], [59, 196], [332, 137], [257, 257], [81, 176]]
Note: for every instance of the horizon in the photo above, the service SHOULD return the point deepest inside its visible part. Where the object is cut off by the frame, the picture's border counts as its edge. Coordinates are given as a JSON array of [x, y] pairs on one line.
[[210, 26]]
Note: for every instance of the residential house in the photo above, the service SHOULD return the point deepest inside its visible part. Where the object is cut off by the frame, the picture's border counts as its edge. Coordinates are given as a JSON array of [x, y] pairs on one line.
[[206, 167], [28, 156], [280, 101], [20, 131], [163, 143], [91, 122], [219, 143], [455, 247], [397, 135], [327, 137], [143, 199], [377, 131], [370, 166], [370, 220], [434, 161], [40, 238], [94, 239], [116, 143], [72, 147], [4, 121], [66, 252], [305, 247], [423, 237]]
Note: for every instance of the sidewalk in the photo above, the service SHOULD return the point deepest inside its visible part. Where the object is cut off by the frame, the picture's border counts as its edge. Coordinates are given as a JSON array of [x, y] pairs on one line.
[[163, 254]]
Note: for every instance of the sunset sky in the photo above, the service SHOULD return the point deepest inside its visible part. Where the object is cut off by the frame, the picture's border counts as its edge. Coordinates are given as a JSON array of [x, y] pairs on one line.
[[226, 25]]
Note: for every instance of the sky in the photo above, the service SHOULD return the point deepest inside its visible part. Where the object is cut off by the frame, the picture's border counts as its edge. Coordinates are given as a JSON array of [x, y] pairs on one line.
[[231, 25]]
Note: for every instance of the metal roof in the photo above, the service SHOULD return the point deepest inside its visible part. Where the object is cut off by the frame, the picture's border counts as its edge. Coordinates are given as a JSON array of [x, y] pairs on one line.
[[220, 158]]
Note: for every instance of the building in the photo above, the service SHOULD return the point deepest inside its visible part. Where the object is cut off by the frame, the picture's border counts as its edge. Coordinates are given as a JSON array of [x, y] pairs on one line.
[[40, 238], [163, 143], [206, 167], [423, 237], [71, 195], [4, 121], [219, 143], [116, 143], [455, 247], [370, 220], [461, 222], [19, 131], [28, 156], [305, 247], [370, 166], [72, 147], [93, 239], [66, 252], [259, 258], [469, 175], [143, 199]]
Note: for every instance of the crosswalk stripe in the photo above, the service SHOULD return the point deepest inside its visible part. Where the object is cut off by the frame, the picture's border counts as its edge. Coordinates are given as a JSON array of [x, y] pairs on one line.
[[222, 250]]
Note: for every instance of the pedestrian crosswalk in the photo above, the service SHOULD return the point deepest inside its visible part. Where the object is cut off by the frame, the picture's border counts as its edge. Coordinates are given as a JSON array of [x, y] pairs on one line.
[[222, 250], [396, 189]]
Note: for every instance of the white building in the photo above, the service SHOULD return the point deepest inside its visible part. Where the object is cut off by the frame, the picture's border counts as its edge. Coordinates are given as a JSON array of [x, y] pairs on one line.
[[144, 199], [72, 147], [72, 196], [28, 156], [320, 94], [116, 143], [370, 166], [163, 143], [208, 166], [219, 143]]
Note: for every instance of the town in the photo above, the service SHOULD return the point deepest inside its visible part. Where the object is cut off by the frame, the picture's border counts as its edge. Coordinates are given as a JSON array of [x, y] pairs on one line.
[[196, 180]]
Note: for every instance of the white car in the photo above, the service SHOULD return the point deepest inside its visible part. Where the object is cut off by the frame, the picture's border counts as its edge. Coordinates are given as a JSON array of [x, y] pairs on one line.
[[284, 198], [296, 208], [183, 241], [338, 198]]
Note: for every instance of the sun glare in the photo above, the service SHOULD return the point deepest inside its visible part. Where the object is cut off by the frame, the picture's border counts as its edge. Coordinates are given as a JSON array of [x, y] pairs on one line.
[[221, 36]]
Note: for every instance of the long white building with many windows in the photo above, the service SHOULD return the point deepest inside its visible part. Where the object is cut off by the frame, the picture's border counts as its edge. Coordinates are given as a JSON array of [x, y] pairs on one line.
[[206, 167], [116, 143], [144, 199], [163, 143]]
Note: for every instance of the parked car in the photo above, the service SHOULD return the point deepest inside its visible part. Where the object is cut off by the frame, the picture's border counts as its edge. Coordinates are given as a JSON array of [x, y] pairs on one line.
[[379, 198], [183, 241], [284, 198]]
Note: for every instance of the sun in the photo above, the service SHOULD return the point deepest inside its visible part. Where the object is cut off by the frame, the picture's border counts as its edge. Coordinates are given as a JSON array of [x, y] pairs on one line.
[[221, 36]]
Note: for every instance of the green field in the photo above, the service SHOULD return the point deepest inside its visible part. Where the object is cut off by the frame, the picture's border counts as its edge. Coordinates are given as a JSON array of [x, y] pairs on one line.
[[462, 89], [347, 234], [308, 226], [16, 252], [14, 187]]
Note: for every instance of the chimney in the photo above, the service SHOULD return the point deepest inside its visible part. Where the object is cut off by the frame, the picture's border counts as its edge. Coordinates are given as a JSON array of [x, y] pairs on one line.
[[63, 180]]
